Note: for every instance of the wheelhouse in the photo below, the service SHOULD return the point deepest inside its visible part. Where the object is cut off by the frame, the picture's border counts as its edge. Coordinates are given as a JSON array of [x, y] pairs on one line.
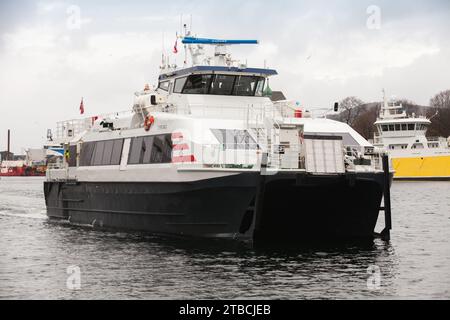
[[223, 81]]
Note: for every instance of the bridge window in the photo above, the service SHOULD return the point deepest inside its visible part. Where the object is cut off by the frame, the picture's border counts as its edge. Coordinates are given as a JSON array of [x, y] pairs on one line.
[[222, 85], [197, 84], [404, 127], [246, 86], [164, 85], [421, 127], [411, 127], [385, 128], [179, 85]]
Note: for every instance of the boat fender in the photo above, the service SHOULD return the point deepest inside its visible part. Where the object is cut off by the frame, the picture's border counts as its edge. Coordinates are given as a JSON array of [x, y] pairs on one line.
[[149, 121]]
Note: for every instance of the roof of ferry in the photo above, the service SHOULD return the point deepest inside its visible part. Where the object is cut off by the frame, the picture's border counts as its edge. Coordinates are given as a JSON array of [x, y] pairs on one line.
[[403, 120], [176, 73]]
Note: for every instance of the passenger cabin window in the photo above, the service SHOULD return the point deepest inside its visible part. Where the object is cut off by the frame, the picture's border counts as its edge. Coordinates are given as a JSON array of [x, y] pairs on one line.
[[164, 85], [151, 150], [101, 153]]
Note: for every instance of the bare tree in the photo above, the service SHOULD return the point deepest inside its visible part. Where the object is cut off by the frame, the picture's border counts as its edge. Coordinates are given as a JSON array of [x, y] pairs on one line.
[[441, 100], [364, 123], [440, 113], [351, 108]]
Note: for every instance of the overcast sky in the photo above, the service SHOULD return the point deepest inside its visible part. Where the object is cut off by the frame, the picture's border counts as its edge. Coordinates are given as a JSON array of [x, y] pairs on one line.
[[323, 51]]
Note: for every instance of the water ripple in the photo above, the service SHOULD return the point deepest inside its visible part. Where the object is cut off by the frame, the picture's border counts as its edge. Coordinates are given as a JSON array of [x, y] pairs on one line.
[[35, 254]]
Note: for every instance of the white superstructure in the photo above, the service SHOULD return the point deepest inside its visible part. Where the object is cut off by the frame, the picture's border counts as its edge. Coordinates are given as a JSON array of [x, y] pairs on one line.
[[414, 154]]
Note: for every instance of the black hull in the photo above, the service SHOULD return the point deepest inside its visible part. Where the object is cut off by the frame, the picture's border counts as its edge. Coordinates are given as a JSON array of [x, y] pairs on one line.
[[292, 207]]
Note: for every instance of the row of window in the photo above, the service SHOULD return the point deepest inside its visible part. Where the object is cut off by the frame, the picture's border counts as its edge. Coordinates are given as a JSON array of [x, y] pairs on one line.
[[218, 84], [150, 149], [403, 127], [143, 150], [414, 146]]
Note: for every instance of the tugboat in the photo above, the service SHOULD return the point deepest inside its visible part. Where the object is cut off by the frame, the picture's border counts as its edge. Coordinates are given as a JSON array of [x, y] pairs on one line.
[[414, 155], [207, 154]]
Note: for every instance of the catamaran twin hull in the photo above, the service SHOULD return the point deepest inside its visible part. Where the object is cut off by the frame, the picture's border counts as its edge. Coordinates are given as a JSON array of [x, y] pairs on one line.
[[247, 206]]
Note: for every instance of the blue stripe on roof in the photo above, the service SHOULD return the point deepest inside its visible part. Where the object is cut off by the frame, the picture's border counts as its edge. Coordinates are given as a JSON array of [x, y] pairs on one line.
[[266, 72], [192, 40]]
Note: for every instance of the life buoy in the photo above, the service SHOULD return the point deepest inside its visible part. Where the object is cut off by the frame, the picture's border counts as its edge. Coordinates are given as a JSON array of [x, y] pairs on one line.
[[149, 121]]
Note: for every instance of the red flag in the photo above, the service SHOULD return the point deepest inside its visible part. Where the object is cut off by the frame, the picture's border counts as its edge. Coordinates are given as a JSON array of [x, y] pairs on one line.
[[82, 106], [175, 47]]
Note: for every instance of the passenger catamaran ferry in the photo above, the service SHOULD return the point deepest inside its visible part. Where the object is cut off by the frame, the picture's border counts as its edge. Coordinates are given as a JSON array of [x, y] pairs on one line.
[[207, 154], [414, 156]]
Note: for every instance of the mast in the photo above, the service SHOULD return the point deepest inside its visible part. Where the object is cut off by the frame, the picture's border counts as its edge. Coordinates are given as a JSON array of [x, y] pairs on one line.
[[9, 145]]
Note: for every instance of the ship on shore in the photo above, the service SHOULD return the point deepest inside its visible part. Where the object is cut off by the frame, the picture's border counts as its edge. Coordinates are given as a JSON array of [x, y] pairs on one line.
[[206, 153], [414, 155], [33, 163]]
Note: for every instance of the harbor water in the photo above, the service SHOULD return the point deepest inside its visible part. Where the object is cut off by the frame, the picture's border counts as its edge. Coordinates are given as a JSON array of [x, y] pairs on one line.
[[39, 258]]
